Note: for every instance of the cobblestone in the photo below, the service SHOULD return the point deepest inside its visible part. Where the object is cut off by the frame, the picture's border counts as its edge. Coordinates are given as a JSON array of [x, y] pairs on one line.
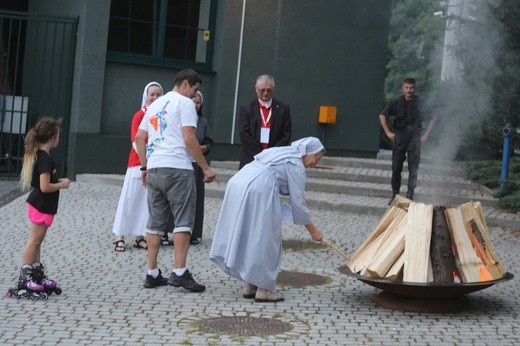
[[103, 301]]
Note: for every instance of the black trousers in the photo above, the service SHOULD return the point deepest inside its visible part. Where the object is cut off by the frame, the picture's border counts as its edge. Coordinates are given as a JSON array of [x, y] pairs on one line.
[[199, 211], [406, 144]]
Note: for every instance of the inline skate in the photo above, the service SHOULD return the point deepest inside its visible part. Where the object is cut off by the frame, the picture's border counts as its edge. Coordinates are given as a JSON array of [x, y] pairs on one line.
[[27, 287], [49, 286]]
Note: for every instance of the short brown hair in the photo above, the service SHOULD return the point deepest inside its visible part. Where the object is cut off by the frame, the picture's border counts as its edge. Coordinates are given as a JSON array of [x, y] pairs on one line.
[[187, 74], [409, 80]]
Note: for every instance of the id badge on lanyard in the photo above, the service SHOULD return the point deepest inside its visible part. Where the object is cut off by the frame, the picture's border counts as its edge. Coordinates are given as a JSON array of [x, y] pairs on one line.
[[264, 131], [264, 135]]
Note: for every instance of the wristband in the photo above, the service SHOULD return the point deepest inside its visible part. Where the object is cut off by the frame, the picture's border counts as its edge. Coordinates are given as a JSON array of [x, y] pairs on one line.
[[142, 168]]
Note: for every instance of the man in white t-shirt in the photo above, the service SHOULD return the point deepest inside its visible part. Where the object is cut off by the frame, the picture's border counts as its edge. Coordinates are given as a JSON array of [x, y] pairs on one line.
[[166, 158]]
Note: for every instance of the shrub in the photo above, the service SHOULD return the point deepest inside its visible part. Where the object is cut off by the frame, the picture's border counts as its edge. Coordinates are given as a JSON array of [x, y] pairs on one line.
[[488, 173], [510, 202]]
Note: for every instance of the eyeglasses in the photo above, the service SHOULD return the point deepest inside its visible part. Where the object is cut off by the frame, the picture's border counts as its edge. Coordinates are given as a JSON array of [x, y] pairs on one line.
[[265, 91]]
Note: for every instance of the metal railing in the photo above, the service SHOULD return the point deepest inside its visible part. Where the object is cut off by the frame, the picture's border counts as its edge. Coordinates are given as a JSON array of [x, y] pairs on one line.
[[36, 74]]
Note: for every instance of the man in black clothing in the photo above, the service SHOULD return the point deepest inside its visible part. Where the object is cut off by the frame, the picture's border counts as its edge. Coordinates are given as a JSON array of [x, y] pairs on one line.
[[407, 134]]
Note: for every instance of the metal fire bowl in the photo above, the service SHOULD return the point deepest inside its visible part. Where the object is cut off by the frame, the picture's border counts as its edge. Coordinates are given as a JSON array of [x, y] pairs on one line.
[[426, 290]]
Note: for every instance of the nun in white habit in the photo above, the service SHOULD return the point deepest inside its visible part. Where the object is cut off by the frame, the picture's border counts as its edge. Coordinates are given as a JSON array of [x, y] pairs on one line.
[[247, 244], [132, 210]]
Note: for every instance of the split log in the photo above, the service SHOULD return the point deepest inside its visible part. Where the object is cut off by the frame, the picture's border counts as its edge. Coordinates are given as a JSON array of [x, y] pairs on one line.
[[358, 260], [384, 238], [443, 261], [401, 202], [484, 230], [396, 271], [390, 248], [468, 262], [360, 265], [479, 235], [478, 242], [414, 242], [477, 206], [417, 242]]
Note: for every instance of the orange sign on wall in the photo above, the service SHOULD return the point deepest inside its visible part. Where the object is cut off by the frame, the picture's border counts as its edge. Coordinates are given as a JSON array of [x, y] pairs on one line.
[[327, 115]]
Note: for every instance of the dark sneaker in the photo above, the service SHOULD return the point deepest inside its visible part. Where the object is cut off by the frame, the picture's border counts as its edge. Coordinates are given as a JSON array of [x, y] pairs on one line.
[[186, 281], [151, 282]]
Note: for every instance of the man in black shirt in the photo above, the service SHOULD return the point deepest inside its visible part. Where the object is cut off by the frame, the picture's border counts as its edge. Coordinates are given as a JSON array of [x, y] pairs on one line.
[[407, 134]]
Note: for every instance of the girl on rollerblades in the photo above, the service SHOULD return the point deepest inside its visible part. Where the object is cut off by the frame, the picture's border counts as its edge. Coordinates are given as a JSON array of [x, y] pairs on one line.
[[39, 173]]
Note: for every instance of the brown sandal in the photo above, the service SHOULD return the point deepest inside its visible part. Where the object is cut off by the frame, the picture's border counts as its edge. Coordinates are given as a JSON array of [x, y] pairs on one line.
[[120, 246], [138, 244]]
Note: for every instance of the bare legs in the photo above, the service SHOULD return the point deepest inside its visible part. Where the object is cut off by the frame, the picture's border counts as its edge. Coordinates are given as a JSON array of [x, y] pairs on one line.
[[154, 243], [182, 243], [32, 251]]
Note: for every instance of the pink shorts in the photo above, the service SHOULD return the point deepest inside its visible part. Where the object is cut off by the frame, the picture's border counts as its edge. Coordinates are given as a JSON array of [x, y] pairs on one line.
[[37, 217]]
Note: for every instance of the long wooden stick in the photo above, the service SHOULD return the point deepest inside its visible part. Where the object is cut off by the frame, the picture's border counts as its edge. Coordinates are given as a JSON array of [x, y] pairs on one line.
[[333, 246]]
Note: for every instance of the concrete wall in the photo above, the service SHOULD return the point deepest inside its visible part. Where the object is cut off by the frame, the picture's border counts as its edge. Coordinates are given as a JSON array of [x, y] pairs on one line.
[[320, 53], [124, 85], [89, 71]]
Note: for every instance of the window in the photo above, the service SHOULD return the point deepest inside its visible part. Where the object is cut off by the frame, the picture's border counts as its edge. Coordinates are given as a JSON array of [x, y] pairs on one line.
[[177, 33]]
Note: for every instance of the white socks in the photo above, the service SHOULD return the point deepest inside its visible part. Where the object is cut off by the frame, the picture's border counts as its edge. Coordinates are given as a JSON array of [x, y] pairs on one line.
[[179, 272], [153, 272]]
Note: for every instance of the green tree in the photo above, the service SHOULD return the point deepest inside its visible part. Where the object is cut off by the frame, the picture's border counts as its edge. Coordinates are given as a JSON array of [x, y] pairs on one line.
[[415, 45], [416, 41], [505, 96]]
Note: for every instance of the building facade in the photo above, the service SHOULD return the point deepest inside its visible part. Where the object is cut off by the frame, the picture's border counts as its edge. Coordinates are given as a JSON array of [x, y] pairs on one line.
[[321, 53]]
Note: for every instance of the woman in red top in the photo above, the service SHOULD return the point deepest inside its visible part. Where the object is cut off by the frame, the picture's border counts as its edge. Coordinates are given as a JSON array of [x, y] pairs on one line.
[[132, 210]]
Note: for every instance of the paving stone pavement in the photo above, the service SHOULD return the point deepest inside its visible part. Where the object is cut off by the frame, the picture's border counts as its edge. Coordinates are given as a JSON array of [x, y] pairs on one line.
[[9, 190], [103, 300]]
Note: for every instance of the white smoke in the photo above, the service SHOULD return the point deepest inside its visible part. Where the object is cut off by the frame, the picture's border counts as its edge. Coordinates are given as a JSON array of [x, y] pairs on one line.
[[469, 64]]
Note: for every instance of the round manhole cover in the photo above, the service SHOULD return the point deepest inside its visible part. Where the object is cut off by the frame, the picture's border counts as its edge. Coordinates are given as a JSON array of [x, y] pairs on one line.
[[244, 326], [300, 245], [297, 279]]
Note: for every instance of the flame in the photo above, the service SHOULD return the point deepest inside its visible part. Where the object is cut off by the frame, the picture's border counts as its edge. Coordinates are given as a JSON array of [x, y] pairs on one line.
[[484, 274], [456, 277]]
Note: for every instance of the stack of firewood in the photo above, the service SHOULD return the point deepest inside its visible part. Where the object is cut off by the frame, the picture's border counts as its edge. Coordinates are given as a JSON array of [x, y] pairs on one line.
[[416, 242]]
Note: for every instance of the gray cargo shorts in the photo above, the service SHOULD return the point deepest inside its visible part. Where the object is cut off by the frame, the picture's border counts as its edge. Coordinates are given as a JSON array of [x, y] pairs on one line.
[[171, 190]]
